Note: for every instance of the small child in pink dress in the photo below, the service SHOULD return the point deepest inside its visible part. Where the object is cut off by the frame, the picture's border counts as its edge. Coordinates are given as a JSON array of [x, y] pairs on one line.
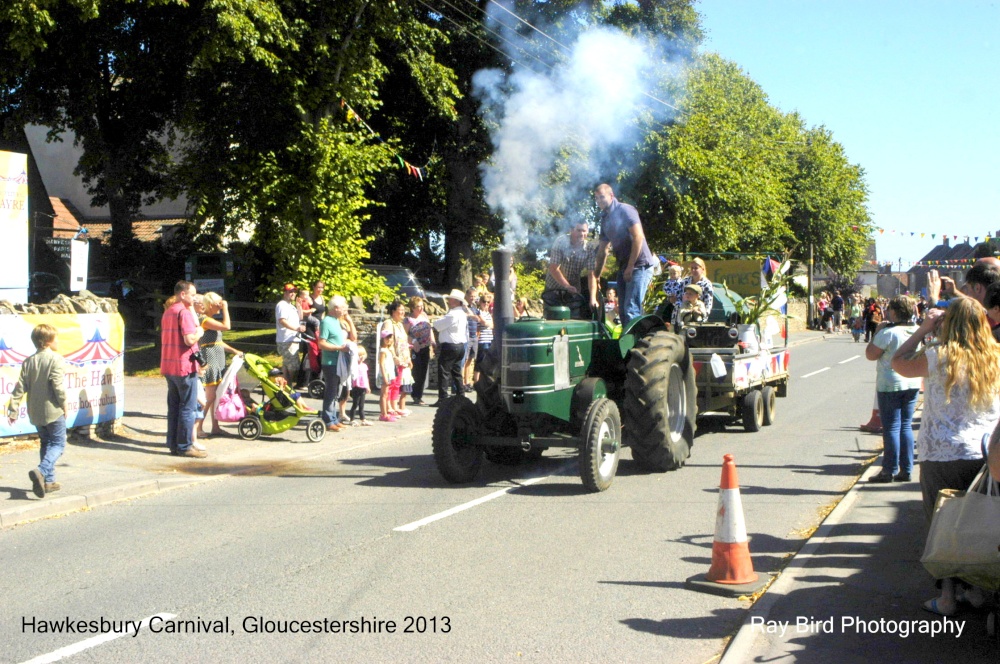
[[360, 388]]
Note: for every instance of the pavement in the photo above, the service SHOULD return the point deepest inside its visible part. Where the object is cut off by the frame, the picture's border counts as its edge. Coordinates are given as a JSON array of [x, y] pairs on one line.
[[854, 590]]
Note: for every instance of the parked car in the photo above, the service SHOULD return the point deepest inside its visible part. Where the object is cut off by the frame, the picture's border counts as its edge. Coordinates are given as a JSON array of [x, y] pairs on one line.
[[44, 286], [402, 280]]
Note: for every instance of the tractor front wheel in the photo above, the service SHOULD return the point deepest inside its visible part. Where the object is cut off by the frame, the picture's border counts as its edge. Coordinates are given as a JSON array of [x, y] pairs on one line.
[[601, 445], [456, 428]]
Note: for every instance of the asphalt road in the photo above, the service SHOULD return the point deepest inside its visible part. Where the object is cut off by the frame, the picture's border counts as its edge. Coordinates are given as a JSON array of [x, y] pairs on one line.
[[538, 570]]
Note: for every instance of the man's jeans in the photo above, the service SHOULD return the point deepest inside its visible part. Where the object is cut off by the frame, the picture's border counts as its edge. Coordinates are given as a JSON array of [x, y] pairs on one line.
[[896, 410], [53, 439], [182, 407], [331, 392], [633, 292]]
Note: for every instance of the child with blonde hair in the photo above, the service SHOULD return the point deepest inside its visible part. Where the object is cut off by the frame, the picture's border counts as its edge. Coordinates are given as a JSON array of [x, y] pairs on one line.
[[387, 372], [359, 389]]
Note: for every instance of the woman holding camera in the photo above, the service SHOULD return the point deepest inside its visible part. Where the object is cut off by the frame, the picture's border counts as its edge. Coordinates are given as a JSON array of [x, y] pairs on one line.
[[897, 395], [213, 350]]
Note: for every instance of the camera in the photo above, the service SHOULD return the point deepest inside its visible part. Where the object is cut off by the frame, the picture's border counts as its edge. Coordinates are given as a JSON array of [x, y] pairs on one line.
[[199, 357]]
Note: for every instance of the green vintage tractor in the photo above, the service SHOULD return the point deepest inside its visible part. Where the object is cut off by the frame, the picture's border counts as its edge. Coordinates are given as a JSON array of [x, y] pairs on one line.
[[558, 382]]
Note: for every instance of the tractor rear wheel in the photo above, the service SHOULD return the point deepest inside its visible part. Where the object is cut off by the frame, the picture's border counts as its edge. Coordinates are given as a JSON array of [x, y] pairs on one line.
[[660, 402], [601, 445], [456, 427]]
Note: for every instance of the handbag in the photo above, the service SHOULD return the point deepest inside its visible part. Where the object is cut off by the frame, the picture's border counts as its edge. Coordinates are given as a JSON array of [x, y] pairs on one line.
[[229, 406], [964, 537]]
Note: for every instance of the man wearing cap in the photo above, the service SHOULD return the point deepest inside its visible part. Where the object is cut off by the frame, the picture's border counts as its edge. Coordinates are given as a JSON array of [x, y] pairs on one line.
[[288, 323], [332, 340], [571, 257], [453, 335], [621, 229], [692, 309]]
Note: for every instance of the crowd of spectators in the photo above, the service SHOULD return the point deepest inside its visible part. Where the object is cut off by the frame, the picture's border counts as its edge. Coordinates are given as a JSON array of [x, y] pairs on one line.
[[947, 343]]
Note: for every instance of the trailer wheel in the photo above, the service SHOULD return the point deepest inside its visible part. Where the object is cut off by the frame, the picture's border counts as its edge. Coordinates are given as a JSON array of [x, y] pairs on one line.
[[601, 445], [753, 411], [456, 427], [770, 399], [660, 402]]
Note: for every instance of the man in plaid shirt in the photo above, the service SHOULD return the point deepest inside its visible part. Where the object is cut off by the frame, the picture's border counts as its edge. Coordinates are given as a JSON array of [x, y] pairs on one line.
[[571, 256]]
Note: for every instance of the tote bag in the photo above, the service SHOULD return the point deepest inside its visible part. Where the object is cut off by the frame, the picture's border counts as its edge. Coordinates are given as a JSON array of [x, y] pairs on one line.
[[964, 538]]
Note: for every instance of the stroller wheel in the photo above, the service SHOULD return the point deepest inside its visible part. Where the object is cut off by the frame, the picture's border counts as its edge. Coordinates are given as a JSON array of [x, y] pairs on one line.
[[315, 430], [316, 388], [249, 428]]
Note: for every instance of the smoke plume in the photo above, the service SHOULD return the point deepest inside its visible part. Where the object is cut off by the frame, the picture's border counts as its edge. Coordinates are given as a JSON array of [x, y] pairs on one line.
[[559, 130]]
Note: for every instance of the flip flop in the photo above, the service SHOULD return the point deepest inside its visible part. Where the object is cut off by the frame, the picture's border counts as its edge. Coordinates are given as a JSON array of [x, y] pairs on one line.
[[932, 606]]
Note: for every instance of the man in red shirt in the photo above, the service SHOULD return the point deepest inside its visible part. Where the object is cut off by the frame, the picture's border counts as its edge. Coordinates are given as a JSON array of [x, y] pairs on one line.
[[179, 334]]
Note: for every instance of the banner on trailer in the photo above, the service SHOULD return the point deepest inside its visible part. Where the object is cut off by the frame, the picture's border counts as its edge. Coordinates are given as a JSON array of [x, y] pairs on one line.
[[740, 276], [14, 226], [93, 347]]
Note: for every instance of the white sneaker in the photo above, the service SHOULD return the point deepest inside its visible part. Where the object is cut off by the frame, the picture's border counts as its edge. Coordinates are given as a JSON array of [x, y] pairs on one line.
[[198, 446], [355, 423]]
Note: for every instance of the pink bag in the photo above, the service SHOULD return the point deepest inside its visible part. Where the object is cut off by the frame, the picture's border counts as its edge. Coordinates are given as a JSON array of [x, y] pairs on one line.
[[229, 405]]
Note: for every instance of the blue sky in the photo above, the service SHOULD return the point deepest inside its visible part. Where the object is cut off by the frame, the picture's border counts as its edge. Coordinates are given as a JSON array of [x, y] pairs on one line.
[[911, 89]]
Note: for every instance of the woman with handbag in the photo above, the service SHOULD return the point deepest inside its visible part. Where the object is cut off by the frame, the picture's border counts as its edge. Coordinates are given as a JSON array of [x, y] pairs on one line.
[[961, 369]]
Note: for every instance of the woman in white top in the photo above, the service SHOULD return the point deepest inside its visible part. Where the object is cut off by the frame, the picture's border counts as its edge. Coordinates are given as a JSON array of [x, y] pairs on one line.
[[961, 405]]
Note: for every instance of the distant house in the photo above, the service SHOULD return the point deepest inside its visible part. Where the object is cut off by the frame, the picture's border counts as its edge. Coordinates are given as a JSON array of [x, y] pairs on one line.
[[947, 260]]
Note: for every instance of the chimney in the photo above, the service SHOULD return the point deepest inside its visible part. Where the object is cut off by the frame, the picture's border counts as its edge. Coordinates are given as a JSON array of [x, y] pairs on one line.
[[947, 242]]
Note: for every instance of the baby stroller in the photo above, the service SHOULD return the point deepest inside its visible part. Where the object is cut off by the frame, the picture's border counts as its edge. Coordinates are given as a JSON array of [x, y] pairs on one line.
[[311, 373], [278, 411]]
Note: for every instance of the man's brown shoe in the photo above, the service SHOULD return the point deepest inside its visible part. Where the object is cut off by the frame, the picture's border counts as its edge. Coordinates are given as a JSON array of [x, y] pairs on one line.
[[52, 486], [193, 453], [334, 428], [37, 482]]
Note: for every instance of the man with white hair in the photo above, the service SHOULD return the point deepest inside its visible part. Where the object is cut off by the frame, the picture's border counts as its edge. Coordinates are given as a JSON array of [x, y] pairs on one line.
[[332, 340]]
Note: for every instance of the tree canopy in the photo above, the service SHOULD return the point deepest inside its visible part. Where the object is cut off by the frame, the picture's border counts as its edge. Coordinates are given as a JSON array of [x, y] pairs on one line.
[[286, 120]]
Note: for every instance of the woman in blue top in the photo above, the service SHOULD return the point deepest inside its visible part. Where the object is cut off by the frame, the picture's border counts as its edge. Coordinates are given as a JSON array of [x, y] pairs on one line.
[[897, 395]]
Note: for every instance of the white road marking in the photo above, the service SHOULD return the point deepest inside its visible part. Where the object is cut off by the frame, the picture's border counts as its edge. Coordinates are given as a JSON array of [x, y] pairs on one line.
[[849, 359], [69, 651], [472, 503], [817, 372]]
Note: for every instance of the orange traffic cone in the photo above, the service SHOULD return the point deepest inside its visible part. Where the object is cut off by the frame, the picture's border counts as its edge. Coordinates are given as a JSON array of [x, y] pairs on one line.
[[731, 572], [874, 425]]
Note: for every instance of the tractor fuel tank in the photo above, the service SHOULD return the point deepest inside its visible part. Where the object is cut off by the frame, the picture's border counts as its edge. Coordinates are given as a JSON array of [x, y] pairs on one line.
[[543, 361]]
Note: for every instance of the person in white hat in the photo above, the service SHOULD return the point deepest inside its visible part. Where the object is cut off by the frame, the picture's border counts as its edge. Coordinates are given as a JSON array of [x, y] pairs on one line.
[[453, 335]]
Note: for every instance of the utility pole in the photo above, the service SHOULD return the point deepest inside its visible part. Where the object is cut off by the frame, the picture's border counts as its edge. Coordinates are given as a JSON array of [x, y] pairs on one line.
[[812, 310]]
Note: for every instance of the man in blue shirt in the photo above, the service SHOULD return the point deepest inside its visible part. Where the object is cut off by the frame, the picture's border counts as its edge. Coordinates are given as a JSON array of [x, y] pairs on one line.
[[621, 229], [332, 340]]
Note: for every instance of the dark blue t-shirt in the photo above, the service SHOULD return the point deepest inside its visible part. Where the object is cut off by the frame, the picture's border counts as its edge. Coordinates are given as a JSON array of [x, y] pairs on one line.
[[615, 224]]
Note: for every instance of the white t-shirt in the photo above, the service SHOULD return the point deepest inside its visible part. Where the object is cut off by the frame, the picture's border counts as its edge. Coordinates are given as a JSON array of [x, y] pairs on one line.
[[453, 327], [952, 431], [286, 310]]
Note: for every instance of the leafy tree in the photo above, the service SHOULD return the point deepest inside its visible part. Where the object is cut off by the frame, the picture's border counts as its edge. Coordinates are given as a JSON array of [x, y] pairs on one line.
[[828, 202], [113, 72], [303, 166], [715, 179]]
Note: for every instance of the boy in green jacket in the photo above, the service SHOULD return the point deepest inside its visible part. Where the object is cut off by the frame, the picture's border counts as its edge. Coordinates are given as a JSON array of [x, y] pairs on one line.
[[42, 380]]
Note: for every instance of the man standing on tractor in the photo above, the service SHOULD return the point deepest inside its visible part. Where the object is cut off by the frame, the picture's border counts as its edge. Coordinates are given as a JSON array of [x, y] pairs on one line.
[[622, 230], [570, 257]]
